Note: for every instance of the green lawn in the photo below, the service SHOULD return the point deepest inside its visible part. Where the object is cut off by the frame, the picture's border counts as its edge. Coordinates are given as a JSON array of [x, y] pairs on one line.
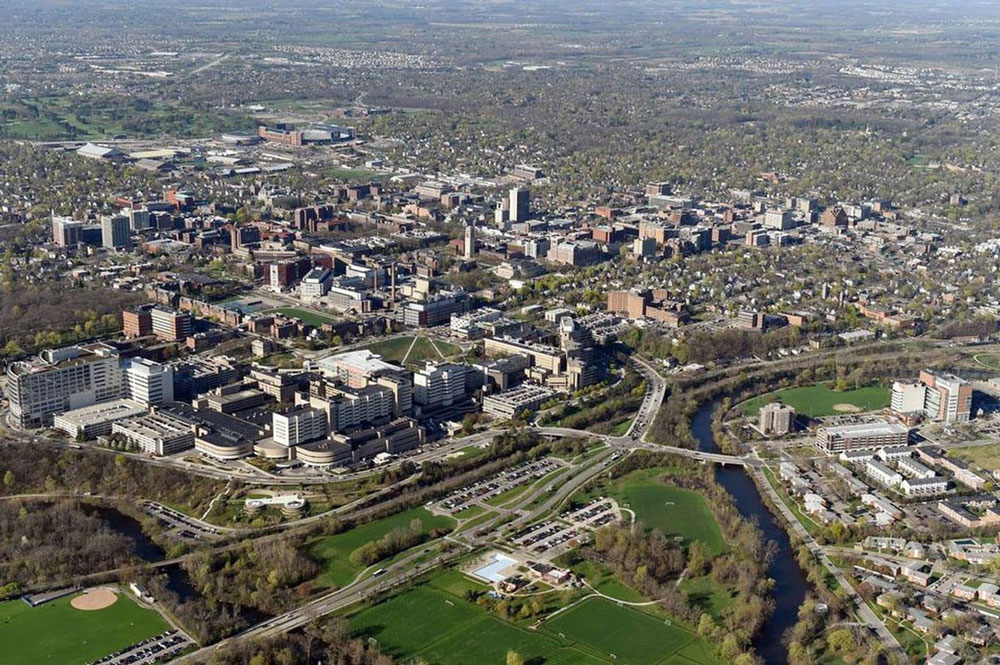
[[444, 630], [307, 316], [335, 551], [424, 348], [391, 350], [434, 623], [820, 399], [57, 633], [609, 629], [672, 510], [986, 456]]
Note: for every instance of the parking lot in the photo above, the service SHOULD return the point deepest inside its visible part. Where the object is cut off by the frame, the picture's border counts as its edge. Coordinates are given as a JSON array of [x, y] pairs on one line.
[[503, 482], [552, 537], [162, 647]]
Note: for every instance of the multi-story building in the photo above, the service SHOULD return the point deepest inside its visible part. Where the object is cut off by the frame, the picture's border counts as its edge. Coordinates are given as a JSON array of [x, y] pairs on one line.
[[137, 322], [61, 380], [348, 407], [549, 358], [948, 397], [908, 398], [436, 310], [865, 435], [147, 382], [356, 368], [776, 419], [439, 385], [95, 420], [510, 403], [931, 486], [171, 325], [66, 231], [198, 375], [882, 474], [298, 426], [316, 283], [157, 433], [115, 232], [575, 253], [520, 202]]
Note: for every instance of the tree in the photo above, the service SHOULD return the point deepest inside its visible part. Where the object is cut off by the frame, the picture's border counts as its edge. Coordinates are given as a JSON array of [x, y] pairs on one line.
[[841, 641], [8, 478], [514, 658]]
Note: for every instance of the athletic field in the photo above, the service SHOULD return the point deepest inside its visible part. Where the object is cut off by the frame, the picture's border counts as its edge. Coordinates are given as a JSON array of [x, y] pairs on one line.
[[413, 350], [452, 631], [55, 632], [821, 400]]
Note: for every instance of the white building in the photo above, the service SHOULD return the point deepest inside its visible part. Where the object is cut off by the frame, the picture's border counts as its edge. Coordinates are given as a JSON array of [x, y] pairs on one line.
[[914, 469], [439, 384], [924, 486], [147, 382], [298, 426], [882, 474], [316, 283], [908, 397], [61, 380], [348, 407], [157, 433], [95, 420]]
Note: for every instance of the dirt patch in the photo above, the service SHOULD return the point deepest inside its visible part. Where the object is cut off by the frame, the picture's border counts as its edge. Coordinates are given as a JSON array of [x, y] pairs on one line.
[[94, 599], [846, 408]]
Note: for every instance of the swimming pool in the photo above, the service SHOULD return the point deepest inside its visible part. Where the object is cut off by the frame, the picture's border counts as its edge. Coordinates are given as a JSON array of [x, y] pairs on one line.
[[491, 571]]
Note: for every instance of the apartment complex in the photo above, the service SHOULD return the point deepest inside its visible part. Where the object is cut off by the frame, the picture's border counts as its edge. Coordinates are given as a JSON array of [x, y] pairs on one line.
[[776, 419], [61, 380]]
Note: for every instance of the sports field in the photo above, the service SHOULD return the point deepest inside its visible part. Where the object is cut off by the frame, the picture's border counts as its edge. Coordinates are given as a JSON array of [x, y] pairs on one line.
[[307, 316], [821, 400], [57, 633], [335, 551], [609, 629], [672, 510], [455, 632]]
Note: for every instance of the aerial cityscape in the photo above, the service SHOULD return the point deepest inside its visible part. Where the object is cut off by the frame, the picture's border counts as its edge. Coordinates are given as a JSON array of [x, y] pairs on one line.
[[497, 332]]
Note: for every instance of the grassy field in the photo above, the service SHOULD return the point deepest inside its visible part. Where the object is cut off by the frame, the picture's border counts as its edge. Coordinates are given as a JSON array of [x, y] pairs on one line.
[[986, 456], [821, 400], [452, 631], [609, 629], [672, 510], [57, 633], [707, 594], [405, 349], [335, 551], [307, 316]]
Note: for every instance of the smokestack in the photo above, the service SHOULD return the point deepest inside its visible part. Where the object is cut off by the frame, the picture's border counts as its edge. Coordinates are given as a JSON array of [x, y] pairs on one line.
[[392, 281]]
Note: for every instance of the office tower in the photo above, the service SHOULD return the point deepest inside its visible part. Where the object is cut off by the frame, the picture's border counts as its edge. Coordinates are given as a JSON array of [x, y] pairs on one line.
[[115, 233], [470, 240], [66, 231], [520, 200]]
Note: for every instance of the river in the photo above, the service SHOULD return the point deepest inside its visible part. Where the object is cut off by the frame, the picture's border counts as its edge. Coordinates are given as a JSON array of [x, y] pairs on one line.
[[791, 584]]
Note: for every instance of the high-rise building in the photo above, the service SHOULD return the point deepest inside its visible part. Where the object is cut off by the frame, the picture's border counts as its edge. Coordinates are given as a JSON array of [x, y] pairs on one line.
[[139, 220], [298, 426], [137, 322], [520, 201], [171, 325], [439, 384], [115, 232], [776, 419], [470, 240], [147, 382], [948, 397], [66, 231], [908, 397], [60, 380]]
